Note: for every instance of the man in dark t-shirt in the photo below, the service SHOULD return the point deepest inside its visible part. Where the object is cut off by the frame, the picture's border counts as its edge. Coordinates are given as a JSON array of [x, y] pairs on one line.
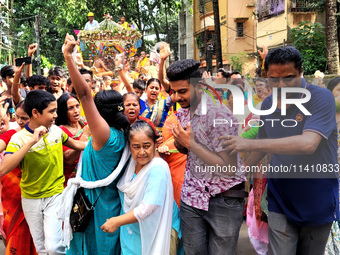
[[303, 187]]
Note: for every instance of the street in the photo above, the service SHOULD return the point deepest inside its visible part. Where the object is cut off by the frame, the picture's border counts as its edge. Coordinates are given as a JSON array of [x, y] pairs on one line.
[[244, 246]]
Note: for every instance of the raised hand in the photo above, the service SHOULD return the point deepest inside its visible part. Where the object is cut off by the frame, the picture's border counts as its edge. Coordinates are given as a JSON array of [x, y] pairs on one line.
[[19, 70], [263, 53], [165, 52], [69, 45], [31, 49]]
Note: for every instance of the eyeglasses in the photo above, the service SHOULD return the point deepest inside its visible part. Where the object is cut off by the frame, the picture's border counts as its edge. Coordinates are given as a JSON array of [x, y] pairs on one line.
[[260, 85]]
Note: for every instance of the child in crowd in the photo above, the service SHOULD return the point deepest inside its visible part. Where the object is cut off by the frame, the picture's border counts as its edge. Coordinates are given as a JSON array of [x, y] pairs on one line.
[[139, 87], [7, 75], [37, 149], [56, 76]]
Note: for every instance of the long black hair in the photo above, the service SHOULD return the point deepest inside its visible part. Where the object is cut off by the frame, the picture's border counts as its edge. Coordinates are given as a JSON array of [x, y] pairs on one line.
[[62, 110], [111, 107], [154, 80]]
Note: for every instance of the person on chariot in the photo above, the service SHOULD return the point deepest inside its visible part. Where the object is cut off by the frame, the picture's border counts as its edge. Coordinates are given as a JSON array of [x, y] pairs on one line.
[[100, 69], [91, 23]]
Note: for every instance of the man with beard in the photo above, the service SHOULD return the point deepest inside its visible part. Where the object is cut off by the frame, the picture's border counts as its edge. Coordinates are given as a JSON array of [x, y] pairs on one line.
[[56, 76], [212, 200], [303, 188]]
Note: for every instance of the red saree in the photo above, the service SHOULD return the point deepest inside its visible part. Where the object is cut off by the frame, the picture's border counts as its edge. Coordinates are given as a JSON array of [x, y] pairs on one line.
[[18, 237]]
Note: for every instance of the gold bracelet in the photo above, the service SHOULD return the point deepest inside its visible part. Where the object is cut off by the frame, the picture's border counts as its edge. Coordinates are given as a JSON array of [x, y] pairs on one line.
[[16, 83]]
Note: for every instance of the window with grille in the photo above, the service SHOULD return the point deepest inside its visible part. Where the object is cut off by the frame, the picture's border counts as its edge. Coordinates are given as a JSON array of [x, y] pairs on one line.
[[266, 9], [183, 19], [183, 51], [239, 29], [205, 6]]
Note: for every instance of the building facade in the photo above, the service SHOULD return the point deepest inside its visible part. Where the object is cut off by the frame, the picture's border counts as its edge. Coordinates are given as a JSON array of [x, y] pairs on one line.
[[185, 32], [237, 28], [275, 18]]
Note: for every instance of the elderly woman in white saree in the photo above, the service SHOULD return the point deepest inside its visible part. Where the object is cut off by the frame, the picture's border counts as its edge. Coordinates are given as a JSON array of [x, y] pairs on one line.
[[146, 195]]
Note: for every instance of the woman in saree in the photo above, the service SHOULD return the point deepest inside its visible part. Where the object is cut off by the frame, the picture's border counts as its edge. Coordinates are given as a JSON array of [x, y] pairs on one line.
[[176, 160], [17, 235], [145, 190], [132, 109], [156, 110], [70, 121], [101, 157]]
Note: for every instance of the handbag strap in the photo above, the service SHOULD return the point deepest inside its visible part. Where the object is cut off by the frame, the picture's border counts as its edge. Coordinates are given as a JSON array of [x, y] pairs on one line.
[[95, 202], [113, 170]]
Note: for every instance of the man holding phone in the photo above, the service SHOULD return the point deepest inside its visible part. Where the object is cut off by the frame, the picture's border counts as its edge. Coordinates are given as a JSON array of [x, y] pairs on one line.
[[20, 63]]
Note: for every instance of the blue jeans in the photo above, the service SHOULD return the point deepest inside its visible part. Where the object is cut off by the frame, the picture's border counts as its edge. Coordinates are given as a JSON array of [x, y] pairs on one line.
[[214, 231]]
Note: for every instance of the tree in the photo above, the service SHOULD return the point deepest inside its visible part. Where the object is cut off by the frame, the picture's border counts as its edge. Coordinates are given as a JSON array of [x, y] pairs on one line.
[[218, 46], [59, 17], [332, 37], [310, 40]]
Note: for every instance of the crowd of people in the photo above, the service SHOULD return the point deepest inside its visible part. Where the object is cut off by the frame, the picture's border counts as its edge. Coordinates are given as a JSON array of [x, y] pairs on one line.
[[144, 150]]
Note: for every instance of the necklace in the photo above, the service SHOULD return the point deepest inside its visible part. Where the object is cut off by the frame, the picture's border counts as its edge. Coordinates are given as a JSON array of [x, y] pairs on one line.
[[73, 130]]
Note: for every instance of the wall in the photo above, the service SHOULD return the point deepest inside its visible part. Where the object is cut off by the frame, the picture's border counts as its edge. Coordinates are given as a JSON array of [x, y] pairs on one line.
[[186, 31]]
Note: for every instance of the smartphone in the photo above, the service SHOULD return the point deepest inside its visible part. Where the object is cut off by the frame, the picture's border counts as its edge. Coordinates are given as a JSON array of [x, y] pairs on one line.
[[27, 60]]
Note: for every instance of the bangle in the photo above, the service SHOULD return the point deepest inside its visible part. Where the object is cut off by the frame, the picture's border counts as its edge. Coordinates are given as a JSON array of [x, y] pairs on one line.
[[16, 83], [119, 67]]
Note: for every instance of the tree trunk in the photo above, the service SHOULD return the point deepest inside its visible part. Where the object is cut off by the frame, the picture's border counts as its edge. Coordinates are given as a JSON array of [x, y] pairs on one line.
[[218, 47], [155, 27], [166, 23], [332, 37]]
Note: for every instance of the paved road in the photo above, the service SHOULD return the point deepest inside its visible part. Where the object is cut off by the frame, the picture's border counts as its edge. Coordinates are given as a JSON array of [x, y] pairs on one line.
[[244, 246]]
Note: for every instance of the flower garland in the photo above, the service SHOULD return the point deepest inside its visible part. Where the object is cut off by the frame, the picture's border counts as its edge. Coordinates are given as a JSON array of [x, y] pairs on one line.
[[109, 38]]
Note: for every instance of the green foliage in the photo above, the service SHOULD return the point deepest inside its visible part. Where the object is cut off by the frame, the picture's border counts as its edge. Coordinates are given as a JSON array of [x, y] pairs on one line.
[[237, 61], [59, 17], [310, 40], [45, 63], [200, 40]]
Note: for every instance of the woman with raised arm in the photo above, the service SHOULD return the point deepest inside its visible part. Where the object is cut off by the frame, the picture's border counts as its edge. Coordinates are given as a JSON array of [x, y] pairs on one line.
[[108, 124]]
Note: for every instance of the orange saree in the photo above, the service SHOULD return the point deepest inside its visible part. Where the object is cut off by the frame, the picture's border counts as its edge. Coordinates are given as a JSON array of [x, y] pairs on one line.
[[176, 161]]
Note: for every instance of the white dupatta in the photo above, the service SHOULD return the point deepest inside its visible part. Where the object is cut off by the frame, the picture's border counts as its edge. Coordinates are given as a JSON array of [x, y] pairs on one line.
[[155, 229], [73, 184]]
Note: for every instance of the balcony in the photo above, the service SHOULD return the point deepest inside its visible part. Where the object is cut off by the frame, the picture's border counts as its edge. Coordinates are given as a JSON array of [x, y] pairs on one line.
[[301, 6]]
